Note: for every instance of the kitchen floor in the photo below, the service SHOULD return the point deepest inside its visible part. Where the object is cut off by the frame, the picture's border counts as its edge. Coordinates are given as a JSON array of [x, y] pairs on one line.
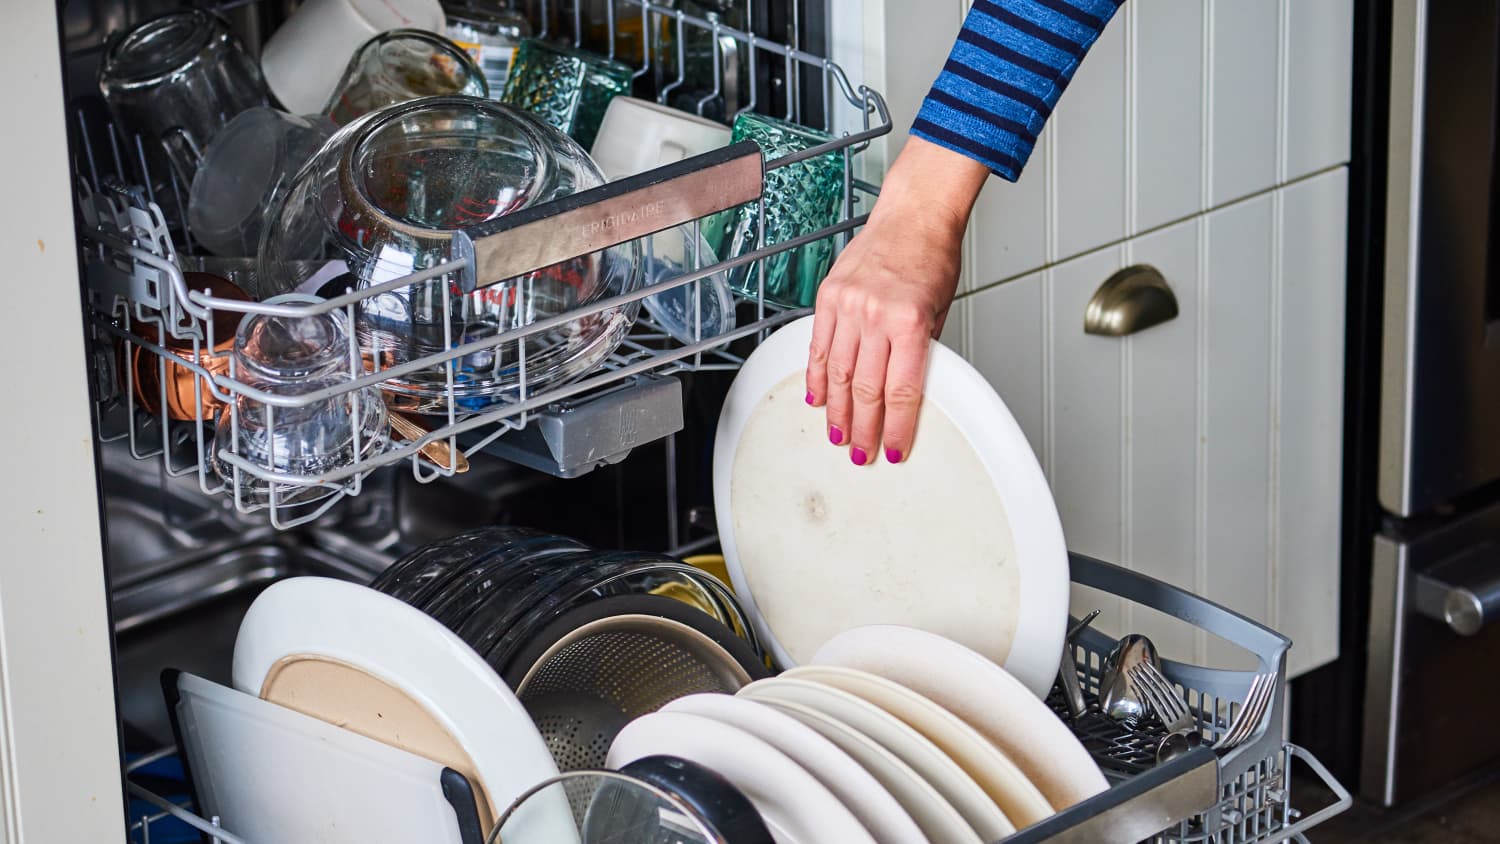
[[1465, 813]]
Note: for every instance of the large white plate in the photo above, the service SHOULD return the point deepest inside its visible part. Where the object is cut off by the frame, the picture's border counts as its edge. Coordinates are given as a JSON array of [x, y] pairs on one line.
[[957, 787], [1022, 803], [935, 816], [796, 807], [962, 538], [347, 645], [982, 694], [875, 808]]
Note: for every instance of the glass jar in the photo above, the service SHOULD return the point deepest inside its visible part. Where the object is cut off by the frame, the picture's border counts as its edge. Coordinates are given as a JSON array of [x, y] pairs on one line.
[[401, 65], [386, 195]]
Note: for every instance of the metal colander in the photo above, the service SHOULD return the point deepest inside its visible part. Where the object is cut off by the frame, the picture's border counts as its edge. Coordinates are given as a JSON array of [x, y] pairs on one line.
[[594, 680]]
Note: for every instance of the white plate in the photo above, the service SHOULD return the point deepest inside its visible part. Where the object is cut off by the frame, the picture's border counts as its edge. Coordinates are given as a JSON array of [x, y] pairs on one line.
[[936, 817], [795, 806], [334, 650], [930, 763], [982, 694], [962, 538], [875, 808], [1022, 803]]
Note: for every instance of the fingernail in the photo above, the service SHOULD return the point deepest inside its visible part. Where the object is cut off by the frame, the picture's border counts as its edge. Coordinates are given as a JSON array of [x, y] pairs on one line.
[[892, 456], [809, 397], [835, 436], [857, 455]]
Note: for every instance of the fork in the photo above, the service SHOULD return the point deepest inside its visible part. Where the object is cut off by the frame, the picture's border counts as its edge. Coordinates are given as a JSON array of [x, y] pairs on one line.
[[1256, 700], [1182, 727]]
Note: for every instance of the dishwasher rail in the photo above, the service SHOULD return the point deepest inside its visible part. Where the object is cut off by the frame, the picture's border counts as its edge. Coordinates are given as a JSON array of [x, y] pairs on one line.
[[1234, 797], [138, 297]]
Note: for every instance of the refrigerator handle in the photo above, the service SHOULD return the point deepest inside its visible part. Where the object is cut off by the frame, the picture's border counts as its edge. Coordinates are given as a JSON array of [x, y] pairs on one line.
[[1462, 592]]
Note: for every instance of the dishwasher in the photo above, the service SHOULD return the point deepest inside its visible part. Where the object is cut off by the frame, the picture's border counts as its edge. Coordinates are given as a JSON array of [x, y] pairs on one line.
[[189, 544]]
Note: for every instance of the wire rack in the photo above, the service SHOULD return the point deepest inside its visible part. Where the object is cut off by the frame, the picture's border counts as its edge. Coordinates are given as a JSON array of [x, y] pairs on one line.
[[138, 296], [1238, 796]]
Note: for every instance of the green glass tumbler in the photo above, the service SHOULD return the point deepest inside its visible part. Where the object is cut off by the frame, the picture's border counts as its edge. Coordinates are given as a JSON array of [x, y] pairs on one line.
[[568, 88], [799, 199]]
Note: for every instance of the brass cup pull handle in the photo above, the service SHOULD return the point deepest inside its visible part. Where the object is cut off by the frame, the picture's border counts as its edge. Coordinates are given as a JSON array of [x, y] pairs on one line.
[[437, 451], [1130, 301]]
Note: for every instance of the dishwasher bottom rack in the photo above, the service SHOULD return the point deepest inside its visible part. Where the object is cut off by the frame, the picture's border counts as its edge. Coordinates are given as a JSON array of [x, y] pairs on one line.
[[1237, 796]]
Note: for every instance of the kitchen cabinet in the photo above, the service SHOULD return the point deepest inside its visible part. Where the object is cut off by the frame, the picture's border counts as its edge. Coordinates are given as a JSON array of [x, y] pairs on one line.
[[1207, 138], [1206, 450]]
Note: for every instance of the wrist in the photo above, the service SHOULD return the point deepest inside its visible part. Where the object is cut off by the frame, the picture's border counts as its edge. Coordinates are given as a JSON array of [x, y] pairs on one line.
[[931, 186]]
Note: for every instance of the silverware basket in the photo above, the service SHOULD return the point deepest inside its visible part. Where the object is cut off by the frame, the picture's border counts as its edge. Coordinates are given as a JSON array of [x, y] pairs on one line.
[[1237, 797]]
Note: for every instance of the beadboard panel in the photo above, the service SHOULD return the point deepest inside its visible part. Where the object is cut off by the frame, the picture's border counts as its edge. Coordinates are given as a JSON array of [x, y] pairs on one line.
[[1090, 174], [1182, 107], [1235, 367], [1310, 418], [1204, 451], [1244, 63], [1166, 109], [1319, 76]]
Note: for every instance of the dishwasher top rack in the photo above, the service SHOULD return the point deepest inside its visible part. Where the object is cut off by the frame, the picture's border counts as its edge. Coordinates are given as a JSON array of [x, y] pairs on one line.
[[137, 294]]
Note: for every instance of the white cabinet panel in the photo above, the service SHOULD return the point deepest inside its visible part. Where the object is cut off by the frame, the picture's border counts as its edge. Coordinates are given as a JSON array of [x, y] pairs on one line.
[[1310, 406], [1243, 61], [1204, 451], [1007, 232], [1161, 448], [1236, 367], [1320, 67], [1008, 344], [1167, 109], [1089, 207], [1084, 418]]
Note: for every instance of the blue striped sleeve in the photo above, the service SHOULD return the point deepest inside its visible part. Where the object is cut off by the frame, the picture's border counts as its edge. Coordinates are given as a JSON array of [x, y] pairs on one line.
[[1010, 64]]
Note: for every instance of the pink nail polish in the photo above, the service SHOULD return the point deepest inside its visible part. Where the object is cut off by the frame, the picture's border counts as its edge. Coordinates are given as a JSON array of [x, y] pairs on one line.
[[835, 436], [892, 456], [809, 397], [857, 455]]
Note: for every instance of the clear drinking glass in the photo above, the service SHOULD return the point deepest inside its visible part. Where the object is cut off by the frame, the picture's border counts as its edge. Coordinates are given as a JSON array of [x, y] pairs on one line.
[[800, 199], [401, 65], [173, 81], [490, 33], [293, 356], [567, 88], [387, 193], [249, 164]]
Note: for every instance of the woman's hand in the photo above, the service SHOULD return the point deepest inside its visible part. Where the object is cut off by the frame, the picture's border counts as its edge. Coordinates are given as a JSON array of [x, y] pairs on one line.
[[887, 295]]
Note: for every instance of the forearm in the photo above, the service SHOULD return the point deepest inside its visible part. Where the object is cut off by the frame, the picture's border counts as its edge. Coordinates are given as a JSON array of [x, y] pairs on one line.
[[1011, 63]]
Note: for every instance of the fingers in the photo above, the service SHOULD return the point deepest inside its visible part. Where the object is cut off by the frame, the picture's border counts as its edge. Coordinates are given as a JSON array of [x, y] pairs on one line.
[[903, 393], [842, 354], [824, 320], [867, 390]]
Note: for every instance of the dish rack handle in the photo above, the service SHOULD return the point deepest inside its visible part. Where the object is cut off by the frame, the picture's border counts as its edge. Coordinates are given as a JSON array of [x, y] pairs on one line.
[[1221, 621], [1343, 798]]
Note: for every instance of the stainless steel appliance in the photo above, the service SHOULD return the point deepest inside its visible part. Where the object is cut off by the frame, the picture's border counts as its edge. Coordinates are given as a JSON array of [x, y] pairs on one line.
[[1435, 571]]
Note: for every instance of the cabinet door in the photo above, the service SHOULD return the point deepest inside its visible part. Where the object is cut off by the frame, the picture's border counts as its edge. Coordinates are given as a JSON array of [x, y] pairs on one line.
[[1206, 450], [1182, 107]]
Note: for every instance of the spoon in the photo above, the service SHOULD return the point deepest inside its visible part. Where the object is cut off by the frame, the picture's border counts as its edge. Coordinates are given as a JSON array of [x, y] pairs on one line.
[[437, 451], [1120, 699]]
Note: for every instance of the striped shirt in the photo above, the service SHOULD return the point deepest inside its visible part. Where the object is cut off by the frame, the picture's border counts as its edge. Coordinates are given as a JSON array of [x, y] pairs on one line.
[[1010, 64]]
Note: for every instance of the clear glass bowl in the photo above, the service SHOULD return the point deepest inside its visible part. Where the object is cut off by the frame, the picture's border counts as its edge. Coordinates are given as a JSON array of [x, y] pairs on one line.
[[292, 356], [388, 191]]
